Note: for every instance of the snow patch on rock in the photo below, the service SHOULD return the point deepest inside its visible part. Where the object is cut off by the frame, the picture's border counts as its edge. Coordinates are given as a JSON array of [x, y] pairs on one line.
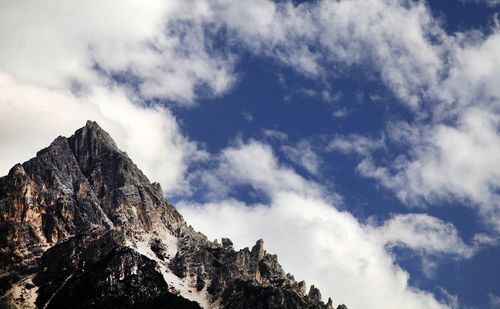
[[185, 287]]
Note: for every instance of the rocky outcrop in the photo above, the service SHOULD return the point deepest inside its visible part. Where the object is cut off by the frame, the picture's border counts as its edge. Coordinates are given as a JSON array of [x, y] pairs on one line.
[[81, 226], [101, 272]]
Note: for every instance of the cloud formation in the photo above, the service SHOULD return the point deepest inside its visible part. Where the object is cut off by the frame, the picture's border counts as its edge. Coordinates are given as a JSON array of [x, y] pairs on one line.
[[448, 81], [487, 2], [303, 155], [156, 46], [324, 38], [355, 144]]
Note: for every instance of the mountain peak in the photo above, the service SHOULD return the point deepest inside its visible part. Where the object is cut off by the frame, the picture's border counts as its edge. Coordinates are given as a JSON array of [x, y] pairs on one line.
[[95, 129], [82, 224], [92, 124], [100, 158], [92, 138]]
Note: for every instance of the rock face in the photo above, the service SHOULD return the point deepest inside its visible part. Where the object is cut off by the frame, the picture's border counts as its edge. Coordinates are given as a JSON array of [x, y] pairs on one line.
[[81, 226]]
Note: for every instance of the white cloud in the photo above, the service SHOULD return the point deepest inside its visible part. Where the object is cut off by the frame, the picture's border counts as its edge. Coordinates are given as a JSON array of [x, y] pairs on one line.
[[303, 155], [275, 134], [254, 163], [448, 162], [355, 144], [452, 154], [421, 63], [327, 96], [32, 116], [341, 113], [315, 241], [472, 75], [450, 299], [448, 159], [320, 38], [421, 232], [487, 2], [167, 48], [159, 44], [247, 116], [494, 301]]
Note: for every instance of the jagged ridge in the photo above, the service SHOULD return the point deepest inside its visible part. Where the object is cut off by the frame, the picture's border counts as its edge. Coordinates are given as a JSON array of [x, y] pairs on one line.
[[81, 226]]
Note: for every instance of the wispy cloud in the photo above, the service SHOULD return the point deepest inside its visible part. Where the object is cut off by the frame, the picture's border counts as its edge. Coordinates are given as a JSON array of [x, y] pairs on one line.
[[303, 155], [160, 44], [494, 301], [355, 144], [247, 116], [448, 162], [275, 134], [486, 2]]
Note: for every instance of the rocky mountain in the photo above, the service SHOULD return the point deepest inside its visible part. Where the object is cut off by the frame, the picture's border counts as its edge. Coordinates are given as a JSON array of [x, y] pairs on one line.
[[82, 227]]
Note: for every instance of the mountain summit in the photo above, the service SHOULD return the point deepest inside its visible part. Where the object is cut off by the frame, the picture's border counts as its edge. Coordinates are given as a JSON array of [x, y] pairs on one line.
[[82, 227]]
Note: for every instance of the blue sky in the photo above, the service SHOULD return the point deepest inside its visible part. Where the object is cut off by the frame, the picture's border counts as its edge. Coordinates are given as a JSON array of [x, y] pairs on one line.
[[360, 139]]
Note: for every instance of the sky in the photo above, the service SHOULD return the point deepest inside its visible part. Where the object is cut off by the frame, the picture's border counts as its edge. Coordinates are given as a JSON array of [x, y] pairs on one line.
[[360, 139]]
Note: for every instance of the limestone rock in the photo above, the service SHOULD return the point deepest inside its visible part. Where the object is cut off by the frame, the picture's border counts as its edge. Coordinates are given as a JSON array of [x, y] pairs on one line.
[[314, 294], [227, 243], [82, 226], [302, 288], [258, 250], [329, 304]]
